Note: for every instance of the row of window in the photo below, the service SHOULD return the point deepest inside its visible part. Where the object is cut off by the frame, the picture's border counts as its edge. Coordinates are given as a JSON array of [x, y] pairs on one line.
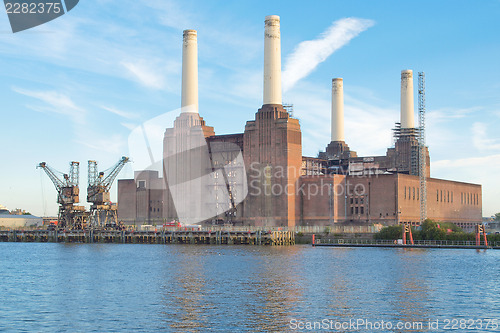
[[470, 199], [444, 196], [360, 200], [412, 193], [357, 210], [465, 198]]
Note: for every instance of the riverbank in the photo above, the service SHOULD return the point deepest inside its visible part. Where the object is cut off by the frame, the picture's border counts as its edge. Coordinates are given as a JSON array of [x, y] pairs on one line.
[[427, 244], [228, 237]]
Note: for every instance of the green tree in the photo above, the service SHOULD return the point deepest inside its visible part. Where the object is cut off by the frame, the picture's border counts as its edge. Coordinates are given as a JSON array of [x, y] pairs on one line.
[[391, 232], [431, 231], [497, 217]]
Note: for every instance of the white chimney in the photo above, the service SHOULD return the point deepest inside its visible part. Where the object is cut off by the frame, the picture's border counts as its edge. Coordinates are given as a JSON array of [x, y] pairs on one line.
[[338, 110], [189, 72], [272, 61], [407, 112]]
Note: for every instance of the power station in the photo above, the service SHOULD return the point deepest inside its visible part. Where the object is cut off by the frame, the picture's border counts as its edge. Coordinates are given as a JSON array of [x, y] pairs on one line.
[[260, 178]]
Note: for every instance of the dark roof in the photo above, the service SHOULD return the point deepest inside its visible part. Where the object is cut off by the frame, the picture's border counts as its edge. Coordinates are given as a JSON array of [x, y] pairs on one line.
[[8, 216]]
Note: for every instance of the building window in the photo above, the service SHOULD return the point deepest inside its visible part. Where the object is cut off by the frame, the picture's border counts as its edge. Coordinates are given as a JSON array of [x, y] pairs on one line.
[[441, 195], [352, 201], [405, 192], [357, 210], [361, 200], [462, 198], [437, 195], [352, 210], [452, 197], [414, 193], [356, 201], [448, 196], [362, 209], [418, 194]]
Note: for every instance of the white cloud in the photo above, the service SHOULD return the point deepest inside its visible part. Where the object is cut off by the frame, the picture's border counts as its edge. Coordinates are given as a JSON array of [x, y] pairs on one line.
[[309, 54], [480, 170], [367, 124], [480, 138], [124, 114], [114, 144], [467, 162], [445, 114], [56, 102], [129, 126], [145, 74], [171, 14]]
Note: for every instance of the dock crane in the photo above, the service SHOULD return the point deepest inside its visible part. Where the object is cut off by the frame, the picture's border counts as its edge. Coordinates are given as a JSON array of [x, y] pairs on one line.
[[70, 215], [103, 213]]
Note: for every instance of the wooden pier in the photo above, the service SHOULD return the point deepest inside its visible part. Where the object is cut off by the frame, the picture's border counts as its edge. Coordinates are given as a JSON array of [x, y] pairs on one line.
[[151, 237]]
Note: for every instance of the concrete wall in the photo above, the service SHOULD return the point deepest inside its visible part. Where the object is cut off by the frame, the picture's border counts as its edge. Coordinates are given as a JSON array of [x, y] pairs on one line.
[[315, 196], [126, 200], [140, 200], [20, 221]]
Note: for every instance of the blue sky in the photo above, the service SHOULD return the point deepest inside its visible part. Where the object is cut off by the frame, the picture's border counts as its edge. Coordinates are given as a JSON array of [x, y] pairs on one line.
[[73, 89]]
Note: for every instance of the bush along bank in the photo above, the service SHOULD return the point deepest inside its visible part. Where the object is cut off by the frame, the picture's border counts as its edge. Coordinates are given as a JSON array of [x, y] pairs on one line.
[[430, 230]]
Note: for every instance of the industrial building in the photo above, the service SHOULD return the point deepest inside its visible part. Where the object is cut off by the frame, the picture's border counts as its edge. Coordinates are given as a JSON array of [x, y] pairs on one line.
[[8, 220], [259, 177]]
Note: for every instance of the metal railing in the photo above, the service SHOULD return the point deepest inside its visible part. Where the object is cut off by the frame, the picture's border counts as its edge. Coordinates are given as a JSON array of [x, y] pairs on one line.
[[392, 242], [304, 229]]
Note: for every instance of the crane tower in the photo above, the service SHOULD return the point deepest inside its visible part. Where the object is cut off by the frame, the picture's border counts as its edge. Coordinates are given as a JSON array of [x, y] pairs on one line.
[[69, 216], [102, 212]]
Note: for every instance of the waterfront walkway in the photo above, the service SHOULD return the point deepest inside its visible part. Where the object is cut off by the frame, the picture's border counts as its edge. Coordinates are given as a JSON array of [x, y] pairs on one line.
[[429, 244]]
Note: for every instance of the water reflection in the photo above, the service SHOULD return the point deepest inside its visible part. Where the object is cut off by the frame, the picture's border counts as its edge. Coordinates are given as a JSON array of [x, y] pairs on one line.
[[411, 293], [184, 288], [276, 288], [119, 287]]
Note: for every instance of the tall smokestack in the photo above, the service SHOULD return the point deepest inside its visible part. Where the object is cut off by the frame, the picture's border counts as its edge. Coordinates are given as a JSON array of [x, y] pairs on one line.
[[272, 61], [407, 118], [189, 72], [338, 109]]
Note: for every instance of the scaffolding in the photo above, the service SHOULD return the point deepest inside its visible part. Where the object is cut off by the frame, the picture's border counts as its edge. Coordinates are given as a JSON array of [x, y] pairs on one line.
[[289, 108], [421, 151]]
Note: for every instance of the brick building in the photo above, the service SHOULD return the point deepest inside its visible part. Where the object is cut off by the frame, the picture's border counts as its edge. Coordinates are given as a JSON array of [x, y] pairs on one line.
[[260, 177]]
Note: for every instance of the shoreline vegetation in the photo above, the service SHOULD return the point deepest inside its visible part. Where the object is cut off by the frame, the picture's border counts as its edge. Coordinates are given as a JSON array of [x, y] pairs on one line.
[[430, 230]]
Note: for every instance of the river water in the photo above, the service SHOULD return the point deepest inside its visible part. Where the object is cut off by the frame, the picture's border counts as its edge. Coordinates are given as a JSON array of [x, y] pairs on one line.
[[46, 287]]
